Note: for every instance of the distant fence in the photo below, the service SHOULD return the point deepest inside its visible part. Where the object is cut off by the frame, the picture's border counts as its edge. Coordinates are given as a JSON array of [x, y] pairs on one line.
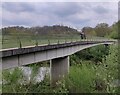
[[11, 41]]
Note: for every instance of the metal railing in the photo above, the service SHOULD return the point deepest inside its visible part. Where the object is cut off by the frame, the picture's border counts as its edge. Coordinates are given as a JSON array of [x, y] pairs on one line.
[[10, 41]]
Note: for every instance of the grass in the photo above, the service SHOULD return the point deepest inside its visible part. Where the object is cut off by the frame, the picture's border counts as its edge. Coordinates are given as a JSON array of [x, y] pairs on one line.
[[10, 41], [81, 78], [13, 41], [0, 80]]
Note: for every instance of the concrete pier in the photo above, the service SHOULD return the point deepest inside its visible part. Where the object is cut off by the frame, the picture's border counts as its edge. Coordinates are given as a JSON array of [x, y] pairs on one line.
[[59, 68]]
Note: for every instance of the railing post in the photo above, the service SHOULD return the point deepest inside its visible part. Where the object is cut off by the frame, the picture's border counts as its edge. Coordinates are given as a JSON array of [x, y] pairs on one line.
[[58, 42], [20, 44], [36, 43], [48, 42]]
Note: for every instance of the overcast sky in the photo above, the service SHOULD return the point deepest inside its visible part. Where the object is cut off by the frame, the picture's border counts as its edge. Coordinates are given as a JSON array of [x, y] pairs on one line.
[[74, 14]]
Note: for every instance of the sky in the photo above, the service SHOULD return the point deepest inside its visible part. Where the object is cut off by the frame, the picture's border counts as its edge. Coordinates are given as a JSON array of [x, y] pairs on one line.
[[73, 14]]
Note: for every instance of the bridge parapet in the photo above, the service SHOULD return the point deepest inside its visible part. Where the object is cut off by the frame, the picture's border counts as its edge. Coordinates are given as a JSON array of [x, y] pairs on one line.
[[31, 49]]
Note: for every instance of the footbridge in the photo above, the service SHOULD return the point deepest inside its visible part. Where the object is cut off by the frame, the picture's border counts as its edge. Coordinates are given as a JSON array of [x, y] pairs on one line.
[[58, 54]]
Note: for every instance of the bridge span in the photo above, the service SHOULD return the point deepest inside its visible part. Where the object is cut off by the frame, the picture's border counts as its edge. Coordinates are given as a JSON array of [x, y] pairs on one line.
[[58, 54]]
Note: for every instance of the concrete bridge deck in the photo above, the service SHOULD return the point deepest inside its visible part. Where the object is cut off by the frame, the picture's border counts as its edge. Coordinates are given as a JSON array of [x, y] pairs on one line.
[[30, 49]]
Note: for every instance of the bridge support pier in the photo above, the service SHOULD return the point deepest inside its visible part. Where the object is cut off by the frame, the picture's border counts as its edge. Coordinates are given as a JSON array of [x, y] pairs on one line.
[[59, 68]]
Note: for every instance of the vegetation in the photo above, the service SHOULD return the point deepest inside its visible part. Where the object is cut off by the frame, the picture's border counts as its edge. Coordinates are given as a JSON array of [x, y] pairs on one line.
[[0, 81], [85, 75], [100, 76], [103, 30], [94, 54]]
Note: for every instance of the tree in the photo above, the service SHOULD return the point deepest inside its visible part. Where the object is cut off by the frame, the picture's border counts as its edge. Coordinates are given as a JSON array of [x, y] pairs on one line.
[[102, 29], [114, 33]]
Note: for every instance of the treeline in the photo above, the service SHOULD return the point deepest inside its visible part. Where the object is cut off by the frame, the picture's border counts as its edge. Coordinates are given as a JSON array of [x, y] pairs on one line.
[[94, 54], [103, 30], [100, 30], [41, 31]]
